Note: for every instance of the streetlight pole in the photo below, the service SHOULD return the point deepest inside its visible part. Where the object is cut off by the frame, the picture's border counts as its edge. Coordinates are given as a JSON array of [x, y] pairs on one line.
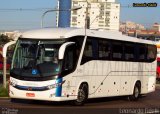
[[43, 15], [87, 20]]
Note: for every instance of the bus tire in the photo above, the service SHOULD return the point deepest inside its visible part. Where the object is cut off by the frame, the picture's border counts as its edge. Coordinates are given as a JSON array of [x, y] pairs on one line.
[[82, 95], [136, 93]]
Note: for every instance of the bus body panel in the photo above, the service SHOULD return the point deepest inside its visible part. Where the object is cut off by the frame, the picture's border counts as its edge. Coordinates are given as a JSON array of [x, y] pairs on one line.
[[105, 78]]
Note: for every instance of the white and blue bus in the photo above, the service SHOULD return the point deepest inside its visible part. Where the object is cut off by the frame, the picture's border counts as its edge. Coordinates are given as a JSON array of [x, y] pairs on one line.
[[67, 64]]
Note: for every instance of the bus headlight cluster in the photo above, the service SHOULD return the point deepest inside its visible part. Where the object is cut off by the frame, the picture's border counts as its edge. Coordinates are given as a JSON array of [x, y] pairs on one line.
[[13, 83], [55, 85], [51, 86]]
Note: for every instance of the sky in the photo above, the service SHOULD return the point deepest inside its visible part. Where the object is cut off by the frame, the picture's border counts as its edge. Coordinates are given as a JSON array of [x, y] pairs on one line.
[[24, 20], [143, 15]]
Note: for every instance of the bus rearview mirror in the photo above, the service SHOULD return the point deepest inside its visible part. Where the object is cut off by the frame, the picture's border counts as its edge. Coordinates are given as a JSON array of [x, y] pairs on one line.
[[63, 48]]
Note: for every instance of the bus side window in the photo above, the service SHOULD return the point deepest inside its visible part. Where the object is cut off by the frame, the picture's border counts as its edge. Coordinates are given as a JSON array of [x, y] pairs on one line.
[[70, 60], [117, 51], [88, 49], [88, 52], [142, 53], [129, 53], [104, 50], [68, 64], [151, 53]]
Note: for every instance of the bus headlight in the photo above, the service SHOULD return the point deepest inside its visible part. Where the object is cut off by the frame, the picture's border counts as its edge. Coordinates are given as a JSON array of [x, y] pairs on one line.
[[13, 83], [51, 86], [55, 85]]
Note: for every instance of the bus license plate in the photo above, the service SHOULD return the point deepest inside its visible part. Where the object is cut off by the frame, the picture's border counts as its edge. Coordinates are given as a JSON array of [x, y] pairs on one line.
[[30, 94]]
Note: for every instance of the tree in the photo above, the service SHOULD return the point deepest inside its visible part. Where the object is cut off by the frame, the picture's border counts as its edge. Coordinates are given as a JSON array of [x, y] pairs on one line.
[[4, 39]]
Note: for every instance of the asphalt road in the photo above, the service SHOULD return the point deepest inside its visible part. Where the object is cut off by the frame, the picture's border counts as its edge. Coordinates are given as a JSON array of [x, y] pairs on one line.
[[149, 104]]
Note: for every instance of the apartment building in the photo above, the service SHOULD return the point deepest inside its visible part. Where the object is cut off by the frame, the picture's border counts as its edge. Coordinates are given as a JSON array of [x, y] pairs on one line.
[[102, 14]]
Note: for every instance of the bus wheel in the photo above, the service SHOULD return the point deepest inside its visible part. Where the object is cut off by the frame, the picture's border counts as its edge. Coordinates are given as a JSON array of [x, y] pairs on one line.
[[136, 93], [82, 95]]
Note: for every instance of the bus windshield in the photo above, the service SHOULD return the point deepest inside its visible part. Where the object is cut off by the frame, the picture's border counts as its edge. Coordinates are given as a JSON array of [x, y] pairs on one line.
[[36, 58]]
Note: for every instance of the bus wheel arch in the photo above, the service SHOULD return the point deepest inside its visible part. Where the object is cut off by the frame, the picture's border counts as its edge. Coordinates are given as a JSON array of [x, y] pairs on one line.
[[82, 94], [136, 91]]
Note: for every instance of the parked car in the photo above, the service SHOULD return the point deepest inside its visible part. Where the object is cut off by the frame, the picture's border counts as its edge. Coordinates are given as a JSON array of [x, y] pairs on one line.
[[1, 66], [1, 63]]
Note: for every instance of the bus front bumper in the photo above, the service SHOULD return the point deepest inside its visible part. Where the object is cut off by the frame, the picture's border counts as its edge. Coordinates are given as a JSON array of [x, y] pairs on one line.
[[49, 95]]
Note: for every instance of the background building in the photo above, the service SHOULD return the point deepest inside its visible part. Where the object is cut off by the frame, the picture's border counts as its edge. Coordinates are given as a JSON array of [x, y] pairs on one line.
[[102, 14], [127, 26], [156, 27], [137, 30]]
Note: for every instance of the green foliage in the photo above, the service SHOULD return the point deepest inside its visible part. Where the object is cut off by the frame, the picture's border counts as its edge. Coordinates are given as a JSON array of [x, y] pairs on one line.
[[3, 92], [4, 39]]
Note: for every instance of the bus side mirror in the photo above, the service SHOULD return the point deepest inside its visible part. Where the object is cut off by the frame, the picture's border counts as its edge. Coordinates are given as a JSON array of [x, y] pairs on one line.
[[63, 48]]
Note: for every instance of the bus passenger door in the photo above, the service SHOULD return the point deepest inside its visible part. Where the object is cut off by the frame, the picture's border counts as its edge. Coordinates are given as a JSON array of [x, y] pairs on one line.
[[68, 70]]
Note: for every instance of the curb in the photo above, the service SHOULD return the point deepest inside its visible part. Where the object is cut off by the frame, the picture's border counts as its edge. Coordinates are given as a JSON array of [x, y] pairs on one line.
[[4, 98]]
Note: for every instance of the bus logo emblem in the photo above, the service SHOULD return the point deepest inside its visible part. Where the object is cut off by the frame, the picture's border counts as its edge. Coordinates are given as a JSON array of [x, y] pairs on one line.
[[34, 71]]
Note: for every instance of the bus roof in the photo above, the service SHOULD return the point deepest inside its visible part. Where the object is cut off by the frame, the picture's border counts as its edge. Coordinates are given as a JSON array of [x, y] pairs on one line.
[[56, 33]]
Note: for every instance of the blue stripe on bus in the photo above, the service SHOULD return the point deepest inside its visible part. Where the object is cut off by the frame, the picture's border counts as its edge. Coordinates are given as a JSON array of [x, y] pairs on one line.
[[59, 88]]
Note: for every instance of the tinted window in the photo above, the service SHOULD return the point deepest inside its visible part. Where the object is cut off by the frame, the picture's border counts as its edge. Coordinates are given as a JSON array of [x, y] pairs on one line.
[[151, 53], [68, 64], [70, 60], [129, 54], [117, 51], [142, 52], [104, 49], [88, 51], [107, 49], [79, 41]]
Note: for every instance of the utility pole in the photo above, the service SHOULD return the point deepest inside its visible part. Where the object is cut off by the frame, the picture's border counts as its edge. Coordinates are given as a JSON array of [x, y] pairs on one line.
[[87, 19], [87, 16], [43, 15]]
